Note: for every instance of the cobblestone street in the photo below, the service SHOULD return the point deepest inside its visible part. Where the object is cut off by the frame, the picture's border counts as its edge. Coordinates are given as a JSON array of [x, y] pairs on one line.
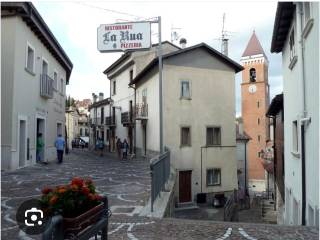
[[127, 185]]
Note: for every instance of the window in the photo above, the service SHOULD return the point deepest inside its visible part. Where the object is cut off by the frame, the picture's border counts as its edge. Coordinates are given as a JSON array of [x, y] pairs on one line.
[[114, 88], [185, 89], [295, 136], [102, 115], [259, 138], [61, 86], [55, 80], [213, 136], [131, 75], [80, 132], [252, 75], [185, 136], [258, 121], [30, 59], [44, 67], [292, 45], [213, 177], [144, 96], [258, 104]]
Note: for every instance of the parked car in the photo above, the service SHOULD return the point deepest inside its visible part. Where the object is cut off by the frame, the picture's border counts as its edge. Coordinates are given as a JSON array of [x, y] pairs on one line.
[[79, 143]]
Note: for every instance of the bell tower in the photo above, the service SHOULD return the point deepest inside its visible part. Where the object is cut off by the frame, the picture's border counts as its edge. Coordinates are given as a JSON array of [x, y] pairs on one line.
[[255, 102]]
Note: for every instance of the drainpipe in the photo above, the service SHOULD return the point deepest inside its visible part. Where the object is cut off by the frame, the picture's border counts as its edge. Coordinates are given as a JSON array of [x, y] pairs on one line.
[[135, 127], [245, 166]]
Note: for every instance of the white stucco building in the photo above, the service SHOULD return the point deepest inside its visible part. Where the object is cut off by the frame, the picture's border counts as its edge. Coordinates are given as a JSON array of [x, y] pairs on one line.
[[72, 125], [99, 116], [34, 73], [296, 37]]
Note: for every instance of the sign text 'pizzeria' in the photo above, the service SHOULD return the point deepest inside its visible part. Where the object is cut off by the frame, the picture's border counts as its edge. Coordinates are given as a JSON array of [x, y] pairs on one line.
[[125, 36]]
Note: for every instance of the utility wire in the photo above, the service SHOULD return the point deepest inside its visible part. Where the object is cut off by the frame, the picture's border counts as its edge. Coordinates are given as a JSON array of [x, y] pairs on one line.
[[111, 10]]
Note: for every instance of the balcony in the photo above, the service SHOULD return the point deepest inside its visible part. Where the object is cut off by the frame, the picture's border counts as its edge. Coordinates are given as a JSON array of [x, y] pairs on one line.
[[141, 111], [95, 121], [110, 121], [126, 118], [46, 86]]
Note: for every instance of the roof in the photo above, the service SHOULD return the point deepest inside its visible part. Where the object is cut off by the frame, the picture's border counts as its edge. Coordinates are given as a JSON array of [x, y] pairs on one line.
[[241, 136], [128, 54], [282, 22], [254, 47], [103, 102], [276, 106], [32, 18], [237, 67]]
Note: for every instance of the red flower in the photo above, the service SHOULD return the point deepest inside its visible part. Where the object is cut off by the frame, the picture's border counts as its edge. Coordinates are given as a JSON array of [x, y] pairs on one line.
[[46, 190], [74, 187], [98, 197], [77, 181], [53, 199], [62, 190], [88, 181], [85, 190], [92, 197]]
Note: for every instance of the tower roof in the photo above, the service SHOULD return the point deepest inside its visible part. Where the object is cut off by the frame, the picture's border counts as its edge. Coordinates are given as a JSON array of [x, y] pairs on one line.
[[254, 47]]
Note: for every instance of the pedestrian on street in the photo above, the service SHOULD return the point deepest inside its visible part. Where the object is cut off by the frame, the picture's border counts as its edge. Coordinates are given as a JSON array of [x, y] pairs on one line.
[[125, 147], [60, 144], [101, 146], [119, 145], [241, 195], [39, 150]]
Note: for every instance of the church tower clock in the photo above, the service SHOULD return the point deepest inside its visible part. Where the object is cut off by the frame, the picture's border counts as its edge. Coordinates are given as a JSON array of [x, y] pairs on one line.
[[255, 102]]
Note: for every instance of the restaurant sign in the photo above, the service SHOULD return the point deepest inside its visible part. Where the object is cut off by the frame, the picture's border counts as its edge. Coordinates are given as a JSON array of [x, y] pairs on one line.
[[124, 36]]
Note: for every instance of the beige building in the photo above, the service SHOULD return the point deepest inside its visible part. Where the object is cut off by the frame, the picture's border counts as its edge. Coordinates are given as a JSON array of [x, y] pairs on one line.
[[34, 73], [72, 125], [198, 118]]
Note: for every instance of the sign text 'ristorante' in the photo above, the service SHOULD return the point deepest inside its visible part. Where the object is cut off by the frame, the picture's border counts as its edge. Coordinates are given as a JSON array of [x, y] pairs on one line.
[[125, 36]]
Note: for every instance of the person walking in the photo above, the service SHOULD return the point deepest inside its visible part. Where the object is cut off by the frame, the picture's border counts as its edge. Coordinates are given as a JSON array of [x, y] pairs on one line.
[[119, 146], [39, 149], [125, 147], [60, 144], [101, 146]]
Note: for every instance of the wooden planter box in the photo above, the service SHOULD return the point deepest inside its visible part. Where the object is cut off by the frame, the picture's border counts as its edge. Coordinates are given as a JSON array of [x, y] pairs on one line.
[[74, 226]]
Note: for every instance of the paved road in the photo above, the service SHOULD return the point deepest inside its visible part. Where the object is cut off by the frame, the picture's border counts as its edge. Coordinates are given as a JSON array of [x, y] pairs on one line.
[[127, 184]]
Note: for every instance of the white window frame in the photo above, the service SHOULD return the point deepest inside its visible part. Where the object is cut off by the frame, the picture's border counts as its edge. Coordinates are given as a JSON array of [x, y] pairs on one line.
[[114, 87], [295, 138], [190, 94], [34, 58], [213, 184]]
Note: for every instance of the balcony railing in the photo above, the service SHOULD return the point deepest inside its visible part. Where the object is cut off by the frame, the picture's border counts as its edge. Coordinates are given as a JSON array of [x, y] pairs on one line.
[[46, 86], [110, 121], [95, 121], [141, 111], [126, 118]]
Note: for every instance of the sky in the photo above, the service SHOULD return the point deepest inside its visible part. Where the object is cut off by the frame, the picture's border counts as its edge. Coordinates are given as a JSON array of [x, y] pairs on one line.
[[75, 24]]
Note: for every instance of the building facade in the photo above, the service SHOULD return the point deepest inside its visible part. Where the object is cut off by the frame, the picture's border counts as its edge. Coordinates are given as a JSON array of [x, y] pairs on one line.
[[35, 71], [296, 37], [198, 118], [99, 117], [72, 125], [255, 102]]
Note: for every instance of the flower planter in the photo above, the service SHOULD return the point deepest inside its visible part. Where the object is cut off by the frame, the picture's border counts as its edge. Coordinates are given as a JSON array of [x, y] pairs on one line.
[[74, 226]]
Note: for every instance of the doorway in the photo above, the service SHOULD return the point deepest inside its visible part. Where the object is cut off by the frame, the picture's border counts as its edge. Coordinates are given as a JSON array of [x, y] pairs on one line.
[[185, 186], [41, 131], [22, 143], [59, 129]]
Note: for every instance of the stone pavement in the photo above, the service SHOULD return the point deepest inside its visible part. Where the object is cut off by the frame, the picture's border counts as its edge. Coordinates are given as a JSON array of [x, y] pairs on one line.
[[127, 185]]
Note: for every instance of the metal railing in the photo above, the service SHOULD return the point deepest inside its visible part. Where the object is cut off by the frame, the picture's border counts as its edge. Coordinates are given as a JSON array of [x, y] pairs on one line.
[[126, 118], [110, 121], [230, 206], [160, 172], [141, 111], [55, 230], [46, 86]]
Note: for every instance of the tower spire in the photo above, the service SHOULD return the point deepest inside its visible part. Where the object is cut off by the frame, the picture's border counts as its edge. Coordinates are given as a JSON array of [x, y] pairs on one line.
[[254, 46]]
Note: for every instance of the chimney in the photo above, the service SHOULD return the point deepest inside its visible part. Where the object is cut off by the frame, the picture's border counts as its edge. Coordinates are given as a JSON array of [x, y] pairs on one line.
[[183, 42], [100, 96], [94, 97]]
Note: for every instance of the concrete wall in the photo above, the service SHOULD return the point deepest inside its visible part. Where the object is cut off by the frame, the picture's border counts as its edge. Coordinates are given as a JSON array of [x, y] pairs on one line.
[[26, 85], [293, 111]]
